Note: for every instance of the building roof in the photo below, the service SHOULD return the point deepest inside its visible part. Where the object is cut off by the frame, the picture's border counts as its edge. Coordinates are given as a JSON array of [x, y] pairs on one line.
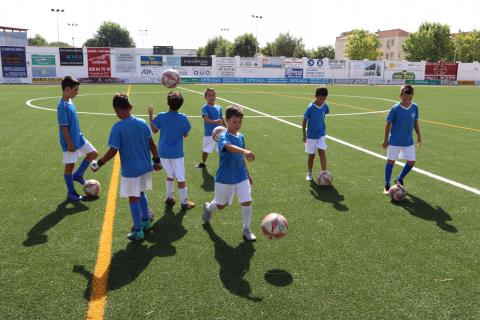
[[12, 29]]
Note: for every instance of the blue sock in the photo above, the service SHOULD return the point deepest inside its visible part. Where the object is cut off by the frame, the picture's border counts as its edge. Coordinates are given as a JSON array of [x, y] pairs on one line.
[[404, 172], [144, 206], [135, 211], [69, 181], [388, 173], [81, 169]]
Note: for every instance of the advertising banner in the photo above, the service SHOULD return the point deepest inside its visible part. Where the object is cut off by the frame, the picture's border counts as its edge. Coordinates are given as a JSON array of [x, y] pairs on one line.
[[196, 61], [173, 61], [43, 66], [14, 64], [315, 68], [43, 60], [225, 67], [291, 73], [366, 69], [272, 62], [337, 64], [195, 71], [124, 60], [71, 56], [250, 63], [441, 71], [99, 63], [151, 61], [404, 70], [294, 63]]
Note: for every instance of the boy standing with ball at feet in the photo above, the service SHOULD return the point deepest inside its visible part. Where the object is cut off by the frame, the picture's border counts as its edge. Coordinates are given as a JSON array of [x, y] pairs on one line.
[[132, 137], [232, 174], [72, 141], [173, 127], [314, 135], [398, 140]]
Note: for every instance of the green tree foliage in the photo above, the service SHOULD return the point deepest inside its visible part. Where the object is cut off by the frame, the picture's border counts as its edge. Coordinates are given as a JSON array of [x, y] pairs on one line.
[[38, 41], [244, 45], [217, 46], [323, 52], [363, 45], [59, 44], [467, 46], [431, 42], [110, 34], [285, 45]]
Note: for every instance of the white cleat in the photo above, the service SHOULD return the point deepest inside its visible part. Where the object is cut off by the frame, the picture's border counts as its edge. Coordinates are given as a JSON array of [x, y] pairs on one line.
[[309, 176], [248, 234], [206, 215]]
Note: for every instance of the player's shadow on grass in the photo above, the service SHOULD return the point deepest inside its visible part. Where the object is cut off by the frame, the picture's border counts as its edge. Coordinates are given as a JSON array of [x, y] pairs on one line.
[[208, 180], [423, 210], [234, 264], [37, 235], [328, 194], [127, 264]]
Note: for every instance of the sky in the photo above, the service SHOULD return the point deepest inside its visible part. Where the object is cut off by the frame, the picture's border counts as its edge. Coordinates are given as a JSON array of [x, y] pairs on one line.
[[189, 24]]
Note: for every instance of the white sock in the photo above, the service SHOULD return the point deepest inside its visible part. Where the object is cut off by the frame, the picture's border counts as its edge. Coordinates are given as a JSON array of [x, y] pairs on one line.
[[169, 189], [212, 206], [183, 195], [246, 216]]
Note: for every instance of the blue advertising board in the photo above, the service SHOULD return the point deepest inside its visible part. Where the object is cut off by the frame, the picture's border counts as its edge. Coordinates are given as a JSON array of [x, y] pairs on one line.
[[14, 64]]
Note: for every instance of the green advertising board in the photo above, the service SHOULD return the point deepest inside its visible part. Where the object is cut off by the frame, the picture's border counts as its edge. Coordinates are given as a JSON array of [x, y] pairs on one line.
[[43, 60]]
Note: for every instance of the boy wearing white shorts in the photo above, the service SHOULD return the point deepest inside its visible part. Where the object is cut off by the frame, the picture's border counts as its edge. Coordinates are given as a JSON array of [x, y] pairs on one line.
[[132, 137], [398, 140], [173, 127], [232, 175]]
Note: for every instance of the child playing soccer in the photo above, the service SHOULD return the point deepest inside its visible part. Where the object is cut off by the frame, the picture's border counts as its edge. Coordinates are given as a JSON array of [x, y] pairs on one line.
[[314, 135], [173, 126], [72, 141], [212, 117], [232, 174], [398, 140], [132, 137]]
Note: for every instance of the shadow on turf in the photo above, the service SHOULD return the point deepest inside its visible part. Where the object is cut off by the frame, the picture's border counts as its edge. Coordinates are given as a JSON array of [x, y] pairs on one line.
[[127, 264], [208, 180], [234, 264], [423, 210], [328, 194], [278, 277], [37, 235]]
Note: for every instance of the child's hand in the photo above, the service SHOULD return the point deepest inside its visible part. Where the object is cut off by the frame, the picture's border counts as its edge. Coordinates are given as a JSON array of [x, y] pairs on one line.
[[70, 147], [419, 141], [157, 164], [304, 139], [150, 110], [249, 155], [385, 144]]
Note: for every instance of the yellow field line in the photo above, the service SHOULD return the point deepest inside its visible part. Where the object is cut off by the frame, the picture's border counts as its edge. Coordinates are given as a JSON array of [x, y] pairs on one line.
[[450, 125]]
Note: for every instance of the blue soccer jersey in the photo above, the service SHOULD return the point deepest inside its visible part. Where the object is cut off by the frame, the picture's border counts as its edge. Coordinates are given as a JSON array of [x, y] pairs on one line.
[[231, 169], [67, 116], [316, 120], [213, 113], [130, 137], [402, 120], [173, 126]]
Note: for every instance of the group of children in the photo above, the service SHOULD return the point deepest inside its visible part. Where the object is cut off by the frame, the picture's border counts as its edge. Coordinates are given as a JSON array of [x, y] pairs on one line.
[[132, 138]]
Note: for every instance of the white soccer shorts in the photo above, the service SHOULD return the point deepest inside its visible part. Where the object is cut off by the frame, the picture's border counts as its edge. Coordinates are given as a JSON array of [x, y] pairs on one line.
[[396, 152], [209, 144], [224, 192], [72, 157], [132, 187], [312, 145], [175, 168]]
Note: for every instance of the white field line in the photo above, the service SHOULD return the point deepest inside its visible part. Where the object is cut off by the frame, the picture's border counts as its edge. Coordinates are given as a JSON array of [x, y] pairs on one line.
[[421, 171]]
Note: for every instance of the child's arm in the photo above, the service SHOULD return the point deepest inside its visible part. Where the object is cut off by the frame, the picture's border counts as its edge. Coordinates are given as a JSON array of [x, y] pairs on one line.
[[207, 120], [388, 126], [250, 179], [150, 117], [234, 149], [95, 165], [304, 130], [68, 139], [155, 157], [417, 130]]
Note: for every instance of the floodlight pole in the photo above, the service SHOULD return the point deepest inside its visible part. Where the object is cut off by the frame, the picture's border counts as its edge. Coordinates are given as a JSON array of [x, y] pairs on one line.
[[143, 32], [73, 25], [257, 19], [58, 28]]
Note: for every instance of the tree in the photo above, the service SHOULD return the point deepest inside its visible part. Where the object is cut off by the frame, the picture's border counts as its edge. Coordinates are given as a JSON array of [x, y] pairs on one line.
[[244, 45], [59, 44], [467, 46], [217, 46], [323, 52], [285, 45], [267, 50], [110, 34], [37, 41], [363, 45], [431, 42]]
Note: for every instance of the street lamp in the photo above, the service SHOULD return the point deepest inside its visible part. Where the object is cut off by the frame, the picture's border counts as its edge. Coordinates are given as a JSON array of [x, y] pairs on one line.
[[73, 25], [257, 19], [143, 32], [58, 29], [224, 30]]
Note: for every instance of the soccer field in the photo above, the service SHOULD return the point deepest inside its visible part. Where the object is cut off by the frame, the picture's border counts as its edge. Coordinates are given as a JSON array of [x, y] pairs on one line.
[[350, 253]]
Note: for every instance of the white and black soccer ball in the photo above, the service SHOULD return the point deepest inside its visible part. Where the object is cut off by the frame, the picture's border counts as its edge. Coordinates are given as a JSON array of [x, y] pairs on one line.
[[170, 78], [217, 131], [92, 188], [397, 192], [325, 179], [274, 226]]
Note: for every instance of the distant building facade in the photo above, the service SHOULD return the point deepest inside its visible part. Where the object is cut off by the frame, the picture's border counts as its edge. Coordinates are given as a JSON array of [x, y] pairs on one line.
[[13, 37]]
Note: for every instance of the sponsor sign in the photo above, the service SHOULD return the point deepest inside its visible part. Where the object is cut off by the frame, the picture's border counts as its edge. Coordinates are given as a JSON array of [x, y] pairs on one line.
[[173, 61], [291, 73], [196, 61], [14, 64], [44, 72], [250, 63], [71, 56], [43, 60], [46, 80], [337, 64], [124, 60], [225, 67], [366, 69], [404, 70], [99, 63], [294, 63], [151, 61], [272, 62], [441, 71]]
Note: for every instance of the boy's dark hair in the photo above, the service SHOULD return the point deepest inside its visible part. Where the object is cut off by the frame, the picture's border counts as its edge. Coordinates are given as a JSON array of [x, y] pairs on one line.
[[120, 101], [69, 82], [407, 89], [174, 100], [209, 90], [321, 91], [233, 111]]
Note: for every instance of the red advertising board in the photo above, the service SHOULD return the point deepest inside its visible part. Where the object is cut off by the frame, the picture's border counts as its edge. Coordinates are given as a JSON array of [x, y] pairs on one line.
[[441, 71], [99, 63]]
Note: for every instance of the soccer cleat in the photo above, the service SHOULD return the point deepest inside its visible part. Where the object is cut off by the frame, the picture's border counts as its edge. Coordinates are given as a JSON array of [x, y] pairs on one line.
[[170, 202], [74, 196], [309, 176], [206, 215], [386, 190], [399, 182], [79, 179], [200, 165], [188, 205], [248, 234], [136, 235], [147, 225]]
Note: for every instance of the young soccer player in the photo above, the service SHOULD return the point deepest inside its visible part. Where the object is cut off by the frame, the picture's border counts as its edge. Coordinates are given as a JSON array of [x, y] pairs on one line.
[[132, 137], [173, 126], [73, 143], [314, 135], [232, 174], [398, 140], [212, 117]]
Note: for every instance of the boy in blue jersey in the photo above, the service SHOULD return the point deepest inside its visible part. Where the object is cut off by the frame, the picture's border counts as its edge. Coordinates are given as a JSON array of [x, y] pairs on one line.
[[232, 174], [398, 141], [73, 143], [212, 117], [132, 137], [314, 136], [173, 127]]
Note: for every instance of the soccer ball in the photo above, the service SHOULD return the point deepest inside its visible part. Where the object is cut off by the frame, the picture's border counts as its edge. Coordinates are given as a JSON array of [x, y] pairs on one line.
[[274, 226], [325, 179], [217, 131], [92, 188], [170, 78], [397, 192]]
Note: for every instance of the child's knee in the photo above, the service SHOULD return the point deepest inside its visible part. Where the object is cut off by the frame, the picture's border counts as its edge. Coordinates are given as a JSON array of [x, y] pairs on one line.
[[411, 163], [92, 155], [246, 204], [221, 206]]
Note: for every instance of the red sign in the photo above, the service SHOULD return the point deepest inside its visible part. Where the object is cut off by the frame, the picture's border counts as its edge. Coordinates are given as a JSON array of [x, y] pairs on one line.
[[99, 63], [441, 71]]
